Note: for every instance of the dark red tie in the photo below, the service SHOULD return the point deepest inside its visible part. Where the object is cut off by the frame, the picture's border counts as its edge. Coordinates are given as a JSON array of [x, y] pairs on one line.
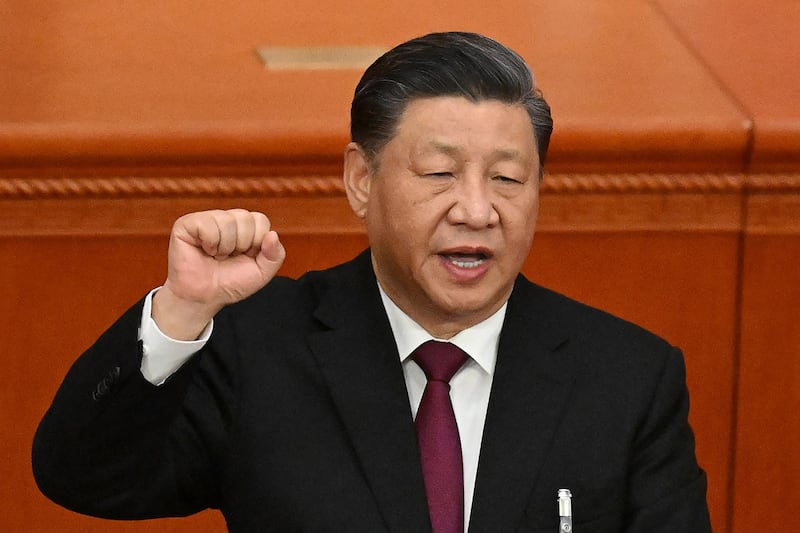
[[437, 433]]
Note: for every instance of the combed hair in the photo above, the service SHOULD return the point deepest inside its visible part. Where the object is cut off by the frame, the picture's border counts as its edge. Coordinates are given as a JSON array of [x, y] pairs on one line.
[[443, 64]]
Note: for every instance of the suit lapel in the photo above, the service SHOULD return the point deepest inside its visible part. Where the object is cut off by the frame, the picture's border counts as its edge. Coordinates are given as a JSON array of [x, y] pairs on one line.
[[529, 393], [359, 360]]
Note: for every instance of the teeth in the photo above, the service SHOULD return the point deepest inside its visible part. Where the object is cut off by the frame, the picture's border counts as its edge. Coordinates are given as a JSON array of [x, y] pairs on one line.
[[466, 263]]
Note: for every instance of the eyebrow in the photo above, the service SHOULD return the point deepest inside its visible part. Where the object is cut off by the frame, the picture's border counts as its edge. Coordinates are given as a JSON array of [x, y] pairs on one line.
[[450, 150]]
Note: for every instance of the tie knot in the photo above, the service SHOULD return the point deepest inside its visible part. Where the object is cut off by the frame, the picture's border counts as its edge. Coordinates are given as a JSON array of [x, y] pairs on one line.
[[439, 360]]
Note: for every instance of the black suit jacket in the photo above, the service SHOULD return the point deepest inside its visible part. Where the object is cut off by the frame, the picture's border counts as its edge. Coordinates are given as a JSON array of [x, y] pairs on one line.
[[295, 417]]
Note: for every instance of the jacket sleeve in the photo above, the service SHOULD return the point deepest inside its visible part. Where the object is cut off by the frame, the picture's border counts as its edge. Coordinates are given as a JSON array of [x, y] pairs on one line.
[[115, 446], [667, 488]]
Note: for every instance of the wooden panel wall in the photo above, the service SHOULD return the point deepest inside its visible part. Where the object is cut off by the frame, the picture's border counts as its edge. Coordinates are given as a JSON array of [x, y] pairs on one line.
[[673, 194], [669, 258]]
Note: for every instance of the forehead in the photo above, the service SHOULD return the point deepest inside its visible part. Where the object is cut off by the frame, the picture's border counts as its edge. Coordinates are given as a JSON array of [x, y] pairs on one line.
[[453, 123]]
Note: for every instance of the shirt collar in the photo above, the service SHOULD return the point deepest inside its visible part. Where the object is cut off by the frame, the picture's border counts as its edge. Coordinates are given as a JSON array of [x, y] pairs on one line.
[[479, 341]]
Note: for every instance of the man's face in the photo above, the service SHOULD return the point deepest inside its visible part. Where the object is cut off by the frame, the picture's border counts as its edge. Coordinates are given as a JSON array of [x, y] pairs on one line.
[[450, 209]]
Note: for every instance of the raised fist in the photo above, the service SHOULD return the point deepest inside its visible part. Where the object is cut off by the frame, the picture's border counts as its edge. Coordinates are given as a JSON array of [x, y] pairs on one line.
[[215, 258]]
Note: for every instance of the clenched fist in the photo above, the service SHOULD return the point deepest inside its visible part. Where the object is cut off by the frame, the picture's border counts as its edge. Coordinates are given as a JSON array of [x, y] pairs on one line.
[[215, 258]]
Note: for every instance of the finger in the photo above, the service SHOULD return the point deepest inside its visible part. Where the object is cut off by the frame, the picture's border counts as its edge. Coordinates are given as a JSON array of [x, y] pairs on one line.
[[245, 228], [227, 225], [242, 232], [261, 226], [271, 257], [250, 230], [200, 230]]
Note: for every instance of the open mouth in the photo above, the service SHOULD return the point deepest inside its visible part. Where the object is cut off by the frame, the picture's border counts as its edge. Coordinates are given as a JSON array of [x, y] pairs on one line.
[[466, 260]]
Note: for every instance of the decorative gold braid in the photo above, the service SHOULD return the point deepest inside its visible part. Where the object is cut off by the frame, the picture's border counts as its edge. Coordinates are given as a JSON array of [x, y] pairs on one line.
[[641, 183], [170, 187], [321, 186], [773, 182]]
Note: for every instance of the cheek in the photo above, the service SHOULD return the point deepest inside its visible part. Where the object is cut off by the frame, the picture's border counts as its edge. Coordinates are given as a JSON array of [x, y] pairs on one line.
[[519, 229], [407, 216], [529, 212], [395, 228]]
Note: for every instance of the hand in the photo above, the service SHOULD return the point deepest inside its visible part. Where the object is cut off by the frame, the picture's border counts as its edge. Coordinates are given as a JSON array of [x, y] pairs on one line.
[[215, 258]]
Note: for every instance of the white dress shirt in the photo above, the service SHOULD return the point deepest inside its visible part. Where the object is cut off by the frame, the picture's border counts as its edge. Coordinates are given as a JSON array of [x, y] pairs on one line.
[[162, 356], [469, 387]]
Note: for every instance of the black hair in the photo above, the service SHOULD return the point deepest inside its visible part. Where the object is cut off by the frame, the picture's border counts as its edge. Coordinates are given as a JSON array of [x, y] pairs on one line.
[[443, 64]]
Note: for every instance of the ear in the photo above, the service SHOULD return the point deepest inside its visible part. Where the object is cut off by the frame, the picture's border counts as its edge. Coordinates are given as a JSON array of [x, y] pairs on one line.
[[356, 179]]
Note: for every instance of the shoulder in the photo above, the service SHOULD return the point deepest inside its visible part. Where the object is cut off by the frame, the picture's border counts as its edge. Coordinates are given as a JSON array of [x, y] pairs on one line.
[[603, 342], [571, 317]]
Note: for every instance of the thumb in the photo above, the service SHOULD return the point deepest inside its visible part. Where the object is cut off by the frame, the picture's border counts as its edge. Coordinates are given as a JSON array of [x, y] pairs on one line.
[[271, 256]]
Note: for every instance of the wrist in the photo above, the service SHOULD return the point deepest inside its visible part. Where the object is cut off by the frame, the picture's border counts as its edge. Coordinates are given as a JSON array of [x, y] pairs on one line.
[[180, 318]]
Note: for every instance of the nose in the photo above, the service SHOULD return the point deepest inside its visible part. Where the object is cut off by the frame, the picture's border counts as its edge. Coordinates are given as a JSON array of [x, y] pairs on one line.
[[473, 205]]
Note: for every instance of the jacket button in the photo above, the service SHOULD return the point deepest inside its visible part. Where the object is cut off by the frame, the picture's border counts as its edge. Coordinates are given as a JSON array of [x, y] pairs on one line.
[[105, 384]]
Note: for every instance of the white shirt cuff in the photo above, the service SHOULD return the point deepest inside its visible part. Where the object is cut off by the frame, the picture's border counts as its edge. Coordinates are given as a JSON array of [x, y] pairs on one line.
[[162, 356]]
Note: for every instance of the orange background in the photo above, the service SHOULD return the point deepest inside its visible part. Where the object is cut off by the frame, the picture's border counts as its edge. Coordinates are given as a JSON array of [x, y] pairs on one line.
[[672, 196]]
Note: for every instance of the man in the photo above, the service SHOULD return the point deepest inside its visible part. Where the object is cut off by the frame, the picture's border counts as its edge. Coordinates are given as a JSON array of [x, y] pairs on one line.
[[291, 405]]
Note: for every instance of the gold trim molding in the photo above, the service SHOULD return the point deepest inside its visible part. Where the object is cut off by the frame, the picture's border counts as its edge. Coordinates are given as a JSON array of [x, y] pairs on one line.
[[642, 183], [324, 186], [306, 186]]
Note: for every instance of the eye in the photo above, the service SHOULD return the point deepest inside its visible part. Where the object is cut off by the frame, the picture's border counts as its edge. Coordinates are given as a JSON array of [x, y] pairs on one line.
[[439, 174], [506, 179]]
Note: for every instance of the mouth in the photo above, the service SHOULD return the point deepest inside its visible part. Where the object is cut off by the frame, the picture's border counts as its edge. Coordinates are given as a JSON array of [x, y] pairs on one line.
[[466, 259]]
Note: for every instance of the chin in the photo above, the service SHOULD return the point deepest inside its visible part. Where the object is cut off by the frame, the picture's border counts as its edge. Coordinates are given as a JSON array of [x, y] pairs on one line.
[[464, 307]]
